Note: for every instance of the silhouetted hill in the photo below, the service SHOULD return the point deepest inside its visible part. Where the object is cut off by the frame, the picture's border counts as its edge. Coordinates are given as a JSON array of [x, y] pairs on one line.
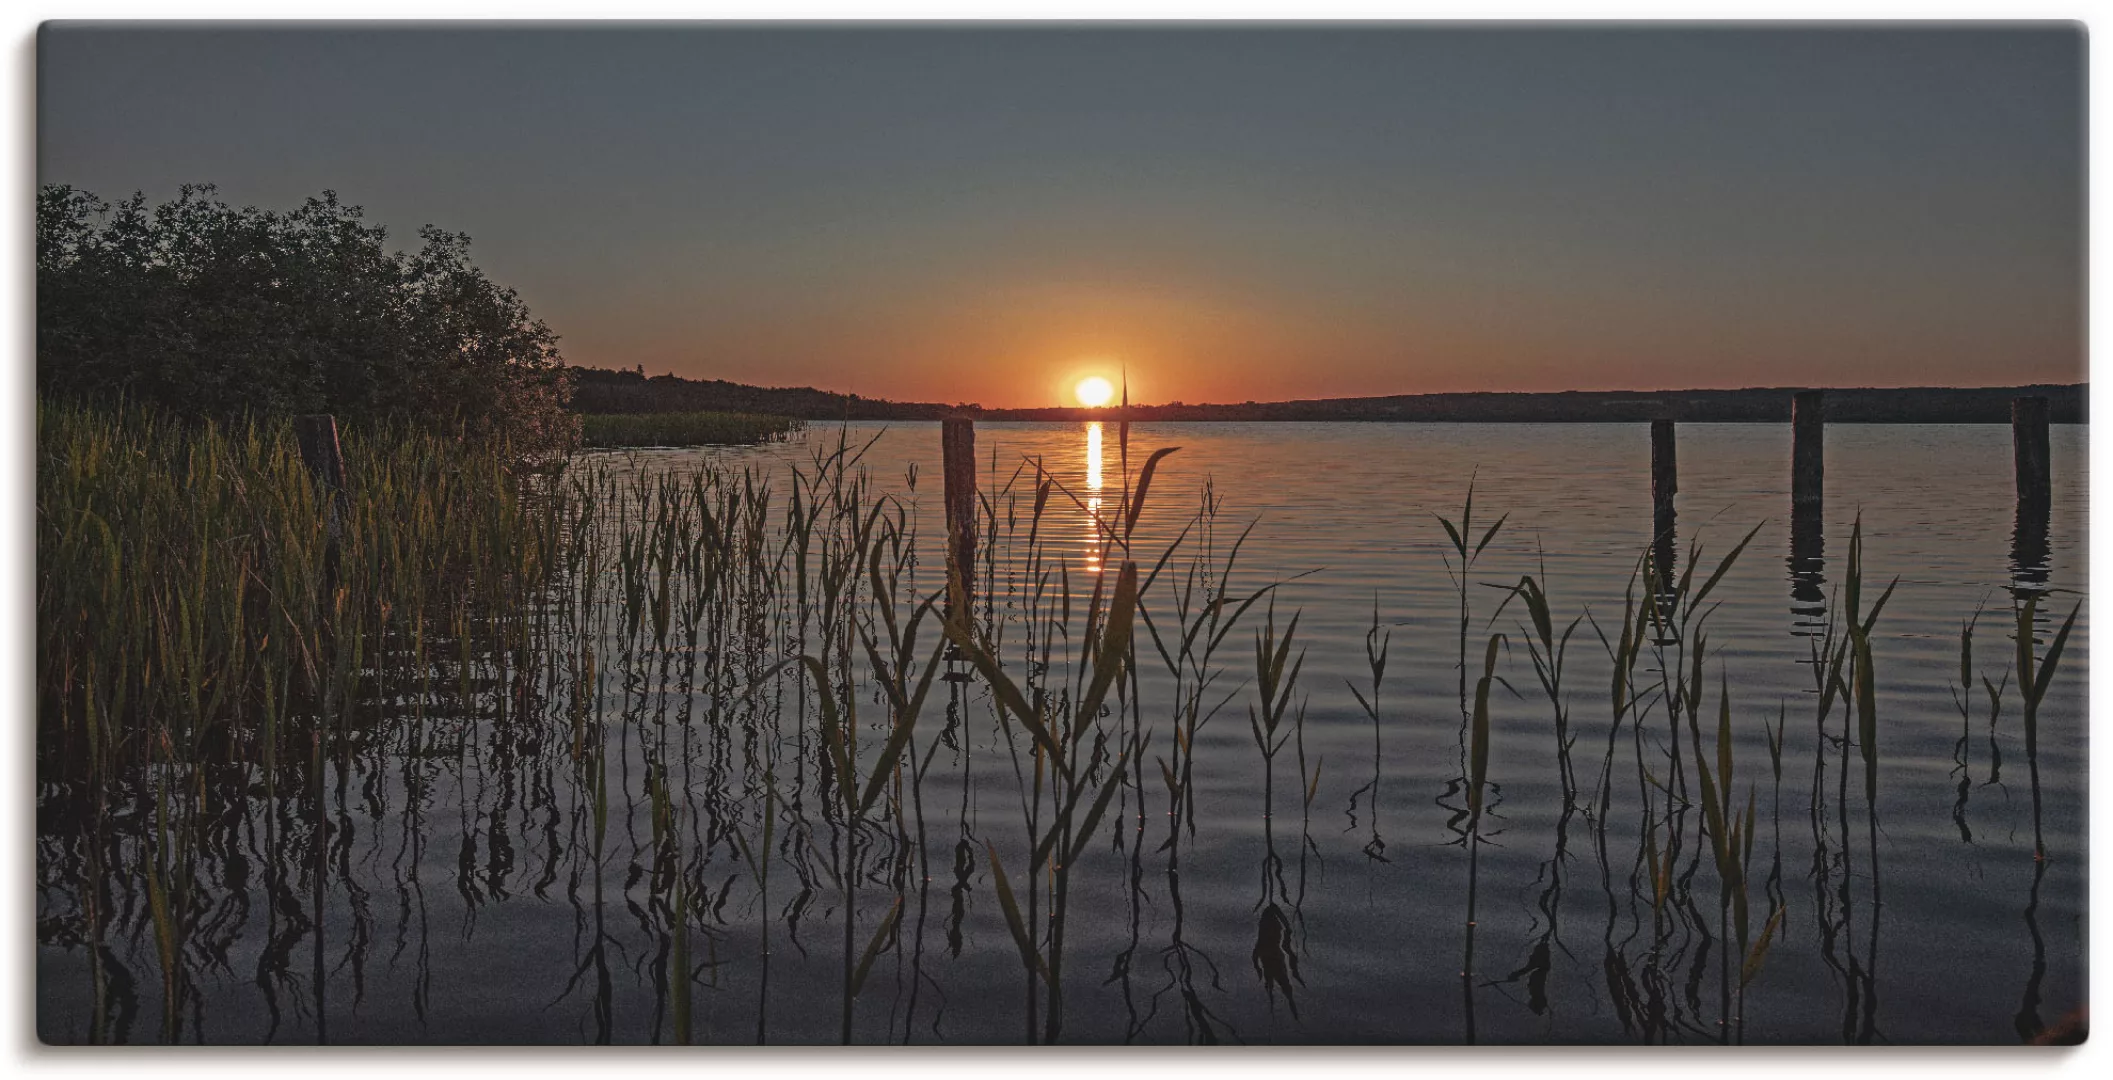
[[600, 390]]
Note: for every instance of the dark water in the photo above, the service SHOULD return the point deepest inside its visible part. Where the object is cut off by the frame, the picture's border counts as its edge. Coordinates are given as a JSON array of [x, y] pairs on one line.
[[463, 906]]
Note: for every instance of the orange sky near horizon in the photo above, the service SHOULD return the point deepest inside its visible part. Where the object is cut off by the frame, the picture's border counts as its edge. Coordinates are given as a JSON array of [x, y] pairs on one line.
[[1028, 347]]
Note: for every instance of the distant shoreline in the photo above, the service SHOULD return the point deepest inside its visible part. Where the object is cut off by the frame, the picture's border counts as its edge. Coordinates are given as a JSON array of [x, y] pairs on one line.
[[603, 391]]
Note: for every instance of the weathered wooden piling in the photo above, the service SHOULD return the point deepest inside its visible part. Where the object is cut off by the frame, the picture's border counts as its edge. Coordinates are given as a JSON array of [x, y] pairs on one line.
[[1665, 470], [2028, 445], [1665, 483], [1808, 440], [957, 453]]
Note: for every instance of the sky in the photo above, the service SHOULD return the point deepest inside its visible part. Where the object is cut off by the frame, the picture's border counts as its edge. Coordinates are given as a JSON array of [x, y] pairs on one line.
[[981, 214]]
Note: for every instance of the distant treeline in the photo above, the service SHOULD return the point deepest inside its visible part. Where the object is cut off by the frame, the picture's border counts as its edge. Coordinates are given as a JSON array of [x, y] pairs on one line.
[[599, 390]]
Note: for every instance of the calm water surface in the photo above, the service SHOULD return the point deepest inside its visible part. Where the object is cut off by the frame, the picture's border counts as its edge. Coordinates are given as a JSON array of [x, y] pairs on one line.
[[467, 913]]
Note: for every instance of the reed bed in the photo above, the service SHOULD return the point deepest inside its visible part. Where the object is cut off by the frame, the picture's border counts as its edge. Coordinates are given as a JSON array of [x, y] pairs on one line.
[[196, 591]]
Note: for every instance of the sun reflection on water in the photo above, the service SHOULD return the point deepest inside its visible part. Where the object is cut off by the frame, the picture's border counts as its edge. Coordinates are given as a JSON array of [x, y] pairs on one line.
[[1093, 498]]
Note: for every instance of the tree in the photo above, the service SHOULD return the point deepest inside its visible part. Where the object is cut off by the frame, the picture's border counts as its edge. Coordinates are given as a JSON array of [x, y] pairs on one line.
[[219, 312]]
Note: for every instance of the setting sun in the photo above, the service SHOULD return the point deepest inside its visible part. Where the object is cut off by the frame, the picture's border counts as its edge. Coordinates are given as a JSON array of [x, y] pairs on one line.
[[1094, 391]]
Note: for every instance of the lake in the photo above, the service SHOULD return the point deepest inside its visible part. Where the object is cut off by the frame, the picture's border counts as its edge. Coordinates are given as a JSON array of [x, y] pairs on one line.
[[646, 840]]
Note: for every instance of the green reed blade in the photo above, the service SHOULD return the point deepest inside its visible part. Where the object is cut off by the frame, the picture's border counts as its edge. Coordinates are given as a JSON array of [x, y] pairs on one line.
[[1029, 955], [881, 937]]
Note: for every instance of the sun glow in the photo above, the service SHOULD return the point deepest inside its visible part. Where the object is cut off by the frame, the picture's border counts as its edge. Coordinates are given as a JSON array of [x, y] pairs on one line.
[[1094, 391]]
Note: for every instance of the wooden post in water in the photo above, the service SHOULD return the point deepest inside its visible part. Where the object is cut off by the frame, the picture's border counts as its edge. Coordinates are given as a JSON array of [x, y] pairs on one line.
[[957, 452], [1665, 472], [1665, 482], [1808, 440], [2028, 444]]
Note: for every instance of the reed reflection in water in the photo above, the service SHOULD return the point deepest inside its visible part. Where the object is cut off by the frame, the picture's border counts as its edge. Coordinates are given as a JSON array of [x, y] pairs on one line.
[[649, 819]]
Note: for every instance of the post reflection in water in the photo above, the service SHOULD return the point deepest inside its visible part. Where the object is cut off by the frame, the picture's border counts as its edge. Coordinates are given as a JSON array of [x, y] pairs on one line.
[[2029, 549], [1808, 578], [1665, 556]]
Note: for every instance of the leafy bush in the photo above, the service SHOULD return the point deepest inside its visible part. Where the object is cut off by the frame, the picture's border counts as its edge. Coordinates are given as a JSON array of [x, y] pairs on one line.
[[218, 312]]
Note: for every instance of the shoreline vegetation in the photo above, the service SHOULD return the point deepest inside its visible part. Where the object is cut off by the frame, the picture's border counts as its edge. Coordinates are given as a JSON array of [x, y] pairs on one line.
[[601, 390], [601, 431], [205, 310]]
